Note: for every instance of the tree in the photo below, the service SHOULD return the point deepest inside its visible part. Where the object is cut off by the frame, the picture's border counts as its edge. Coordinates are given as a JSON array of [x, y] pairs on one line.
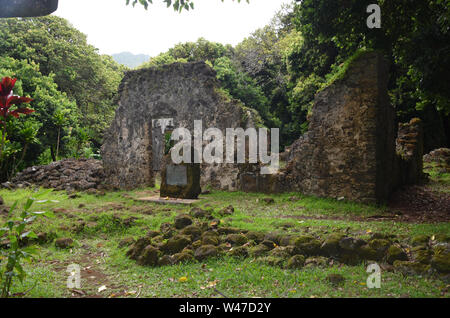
[[178, 5]]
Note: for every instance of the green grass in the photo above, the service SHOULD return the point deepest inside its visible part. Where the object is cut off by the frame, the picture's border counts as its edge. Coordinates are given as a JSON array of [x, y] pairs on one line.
[[104, 219]]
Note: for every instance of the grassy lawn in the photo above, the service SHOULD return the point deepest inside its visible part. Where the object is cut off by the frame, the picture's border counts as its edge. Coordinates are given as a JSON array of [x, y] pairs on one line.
[[97, 224]]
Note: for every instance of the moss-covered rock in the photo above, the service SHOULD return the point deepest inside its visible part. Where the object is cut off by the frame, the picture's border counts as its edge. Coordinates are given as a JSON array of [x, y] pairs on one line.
[[309, 248], [395, 253], [206, 251], [167, 230], [165, 260], [229, 210], [258, 237], [269, 244], [442, 238], [236, 239], [258, 250], [182, 220], [280, 252], [239, 251], [272, 261], [286, 240], [420, 240], [441, 261], [196, 244], [182, 257], [366, 252], [193, 231], [411, 267], [210, 240], [380, 246], [201, 214], [296, 262], [303, 239], [318, 261], [136, 249], [422, 255], [149, 256], [229, 230], [176, 244], [330, 246], [273, 237]]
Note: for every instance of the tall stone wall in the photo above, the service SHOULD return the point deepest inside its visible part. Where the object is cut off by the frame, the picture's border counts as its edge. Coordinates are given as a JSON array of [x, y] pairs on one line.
[[182, 91], [349, 150]]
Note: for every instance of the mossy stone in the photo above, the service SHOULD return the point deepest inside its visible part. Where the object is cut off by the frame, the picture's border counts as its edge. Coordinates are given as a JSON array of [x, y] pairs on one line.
[[319, 261], [258, 237], [259, 250], [182, 257], [126, 242], [310, 248], [182, 220], [395, 253], [296, 262], [380, 246], [411, 267], [420, 240], [442, 238], [210, 240], [196, 244], [206, 251], [236, 239], [273, 261], [165, 260], [274, 237], [193, 231], [331, 245], [441, 262], [286, 240], [366, 252], [303, 239], [152, 234], [176, 244], [269, 244], [239, 251], [423, 256], [64, 243], [280, 252], [136, 249], [149, 256]]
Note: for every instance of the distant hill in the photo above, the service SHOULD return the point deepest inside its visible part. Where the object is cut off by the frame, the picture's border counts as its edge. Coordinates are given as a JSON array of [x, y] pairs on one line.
[[129, 59]]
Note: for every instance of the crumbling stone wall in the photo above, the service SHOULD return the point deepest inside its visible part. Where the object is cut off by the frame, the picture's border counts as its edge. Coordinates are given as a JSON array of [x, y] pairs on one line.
[[409, 148], [182, 91], [349, 150]]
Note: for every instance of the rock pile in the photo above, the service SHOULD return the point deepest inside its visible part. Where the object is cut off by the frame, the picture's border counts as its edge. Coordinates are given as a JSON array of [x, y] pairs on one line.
[[68, 174], [440, 157], [198, 236]]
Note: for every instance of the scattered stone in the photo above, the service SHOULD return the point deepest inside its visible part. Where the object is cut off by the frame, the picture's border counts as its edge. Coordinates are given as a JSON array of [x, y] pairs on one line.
[[259, 250], [67, 174], [273, 261], [165, 260], [239, 251], [236, 239], [200, 213], [411, 267], [149, 256], [441, 261], [182, 257], [229, 210], [64, 243], [176, 244], [181, 221], [319, 261], [258, 237], [420, 240], [296, 262], [193, 231], [135, 251], [395, 253], [206, 251]]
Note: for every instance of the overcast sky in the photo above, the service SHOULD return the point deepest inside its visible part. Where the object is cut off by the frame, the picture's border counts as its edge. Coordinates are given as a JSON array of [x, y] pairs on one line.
[[113, 27]]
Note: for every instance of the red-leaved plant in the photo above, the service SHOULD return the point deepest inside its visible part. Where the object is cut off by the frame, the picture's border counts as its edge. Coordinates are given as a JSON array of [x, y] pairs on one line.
[[7, 99]]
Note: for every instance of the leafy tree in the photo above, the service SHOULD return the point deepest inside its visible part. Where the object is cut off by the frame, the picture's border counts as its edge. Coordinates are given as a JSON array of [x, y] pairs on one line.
[[178, 5], [61, 52]]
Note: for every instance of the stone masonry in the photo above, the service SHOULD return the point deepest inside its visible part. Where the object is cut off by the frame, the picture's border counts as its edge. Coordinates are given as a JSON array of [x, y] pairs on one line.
[[182, 91]]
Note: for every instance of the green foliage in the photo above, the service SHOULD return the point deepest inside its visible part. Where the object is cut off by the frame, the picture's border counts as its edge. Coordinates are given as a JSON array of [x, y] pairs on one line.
[[178, 5], [66, 63], [16, 231]]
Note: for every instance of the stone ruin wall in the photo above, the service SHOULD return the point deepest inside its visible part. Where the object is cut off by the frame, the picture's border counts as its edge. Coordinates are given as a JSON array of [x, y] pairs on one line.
[[183, 91], [350, 149]]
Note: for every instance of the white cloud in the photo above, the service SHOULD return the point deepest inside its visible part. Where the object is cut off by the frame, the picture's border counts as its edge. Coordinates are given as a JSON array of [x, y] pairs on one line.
[[113, 27]]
